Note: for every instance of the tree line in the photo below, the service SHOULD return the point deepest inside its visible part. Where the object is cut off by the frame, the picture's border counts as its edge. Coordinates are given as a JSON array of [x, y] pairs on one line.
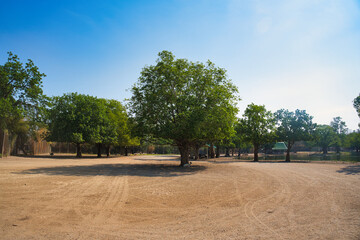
[[184, 103]]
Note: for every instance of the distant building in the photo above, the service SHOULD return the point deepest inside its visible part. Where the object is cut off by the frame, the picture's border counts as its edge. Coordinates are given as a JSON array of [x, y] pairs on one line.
[[279, 147]]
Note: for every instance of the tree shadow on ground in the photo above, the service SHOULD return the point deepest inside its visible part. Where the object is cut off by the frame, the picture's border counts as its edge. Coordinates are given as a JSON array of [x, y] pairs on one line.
[[350, 170], [72, 157], [220, 161], [141, 157], [157, 158], [142, 170]]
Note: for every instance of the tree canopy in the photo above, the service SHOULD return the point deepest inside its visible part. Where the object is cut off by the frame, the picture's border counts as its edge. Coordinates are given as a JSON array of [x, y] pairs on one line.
[[74, 118], [113, 125], [352, 140], [184, 101], [79, 118], [356, 104], [257, 126], [293, 126], [325, 136], [340, 129], [21, 94]]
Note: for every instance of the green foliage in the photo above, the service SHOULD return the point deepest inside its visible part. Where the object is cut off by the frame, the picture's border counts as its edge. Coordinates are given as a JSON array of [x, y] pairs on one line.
[[113, 123], [184, 101], [339, 126], [325, 136], [293, 126], [74, 118], [21, 94], [257, 126], [239, 139], [356, 104], [340, 130], [352, 140], [79, 118]]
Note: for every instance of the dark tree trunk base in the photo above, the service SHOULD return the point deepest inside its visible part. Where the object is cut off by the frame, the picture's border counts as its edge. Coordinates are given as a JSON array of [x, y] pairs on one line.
[[256, 151], [287, 159], [197, 153], [212, 152], [99, 150], [78, 150], [108, 151], [184, 151]]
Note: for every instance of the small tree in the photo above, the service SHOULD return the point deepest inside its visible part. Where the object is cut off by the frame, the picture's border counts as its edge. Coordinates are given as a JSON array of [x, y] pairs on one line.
[[325, 136], [113, 125], [352, 140], [293, 126], [240, 141], [257, 126], [340, 130]]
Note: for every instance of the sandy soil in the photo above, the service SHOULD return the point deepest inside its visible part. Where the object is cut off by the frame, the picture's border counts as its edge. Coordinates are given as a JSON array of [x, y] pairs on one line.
[[149, 197]]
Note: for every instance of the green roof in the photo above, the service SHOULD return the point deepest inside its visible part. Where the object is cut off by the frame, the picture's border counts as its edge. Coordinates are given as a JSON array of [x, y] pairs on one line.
[[279, 146], [208, 145]]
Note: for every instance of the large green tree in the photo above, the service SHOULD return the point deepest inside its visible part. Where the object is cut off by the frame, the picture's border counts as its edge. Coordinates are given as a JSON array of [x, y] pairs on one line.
[[184, 101], [79, 118], [257, 126], [75, 118], [21, 96], [293, 126]]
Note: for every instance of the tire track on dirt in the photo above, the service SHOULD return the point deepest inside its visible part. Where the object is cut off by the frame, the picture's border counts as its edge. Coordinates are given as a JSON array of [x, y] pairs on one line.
[[249, 206], [61, 199], [116, 193], [323, 177]]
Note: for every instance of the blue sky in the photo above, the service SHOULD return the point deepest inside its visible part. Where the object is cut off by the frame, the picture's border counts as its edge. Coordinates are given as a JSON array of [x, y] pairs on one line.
[[301, 54]]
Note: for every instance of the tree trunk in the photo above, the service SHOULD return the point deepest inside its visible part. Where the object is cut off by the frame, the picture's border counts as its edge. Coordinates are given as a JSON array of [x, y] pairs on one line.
[[108, 151], [324, 150], [212, 152], [126, 151], [196, 149], [184, 152], [217, 152], [288, 152], [337, 149], [227, 152], [78, 150], [2, 142], [99, 150], [23, 149], [232, 152], [256, 151]]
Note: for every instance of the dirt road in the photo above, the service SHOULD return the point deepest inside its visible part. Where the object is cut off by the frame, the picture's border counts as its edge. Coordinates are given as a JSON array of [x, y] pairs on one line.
[[149, 197]]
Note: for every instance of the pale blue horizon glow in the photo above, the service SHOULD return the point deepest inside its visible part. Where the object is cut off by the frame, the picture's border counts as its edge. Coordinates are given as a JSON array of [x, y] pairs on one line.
[[299, 54]]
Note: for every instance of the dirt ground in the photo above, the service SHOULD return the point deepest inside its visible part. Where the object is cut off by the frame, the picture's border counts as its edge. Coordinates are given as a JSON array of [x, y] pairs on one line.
[[150, 197]]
